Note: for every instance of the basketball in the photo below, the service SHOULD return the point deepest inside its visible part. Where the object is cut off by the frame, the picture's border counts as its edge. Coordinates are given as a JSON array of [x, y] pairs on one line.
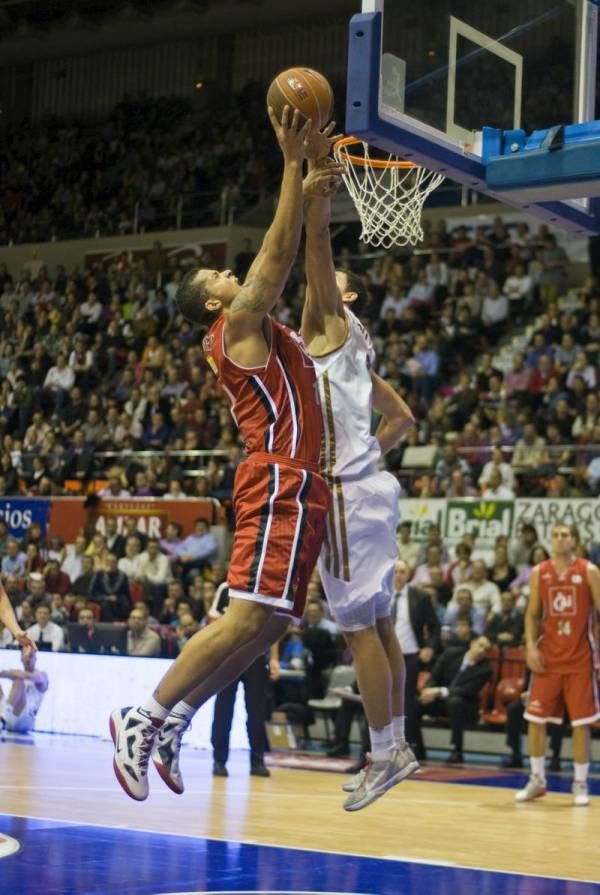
[[303, 89]]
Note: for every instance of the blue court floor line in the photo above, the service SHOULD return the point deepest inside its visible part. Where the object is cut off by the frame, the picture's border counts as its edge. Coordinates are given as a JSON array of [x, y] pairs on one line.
[[572, 884]]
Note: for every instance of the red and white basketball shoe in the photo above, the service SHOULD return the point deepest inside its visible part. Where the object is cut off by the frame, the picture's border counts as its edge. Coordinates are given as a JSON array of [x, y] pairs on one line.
[[133, 732]]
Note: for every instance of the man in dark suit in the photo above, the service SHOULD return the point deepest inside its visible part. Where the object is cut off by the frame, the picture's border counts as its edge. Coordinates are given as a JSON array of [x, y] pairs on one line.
[[318, 638], [453, 691], [255, 680], [110, 588], [418, 630], [114, 541], [79, 457], [507, 626]]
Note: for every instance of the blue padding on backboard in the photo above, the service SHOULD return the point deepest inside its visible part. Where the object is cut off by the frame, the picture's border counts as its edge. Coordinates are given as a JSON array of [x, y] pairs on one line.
[[516, 163], [570, 172], [498, 142]]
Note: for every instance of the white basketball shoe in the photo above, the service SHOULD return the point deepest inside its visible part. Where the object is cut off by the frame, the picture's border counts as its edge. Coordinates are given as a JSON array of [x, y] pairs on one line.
[[166, 752], [379, 776], [535, 788], [133, 732]]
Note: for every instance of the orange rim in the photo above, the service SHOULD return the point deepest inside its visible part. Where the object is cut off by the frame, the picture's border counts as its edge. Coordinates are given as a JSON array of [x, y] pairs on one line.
[[372, 162]]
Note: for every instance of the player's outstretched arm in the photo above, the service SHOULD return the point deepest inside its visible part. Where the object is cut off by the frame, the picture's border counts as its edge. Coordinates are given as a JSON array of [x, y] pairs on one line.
[[323, 312], [9, 619], [316, 146], [270, 270], [396, 416], [533, 615]]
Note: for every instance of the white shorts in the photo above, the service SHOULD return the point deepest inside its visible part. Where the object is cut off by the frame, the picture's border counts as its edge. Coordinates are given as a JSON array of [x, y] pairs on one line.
[[16, 723], [356, 563]]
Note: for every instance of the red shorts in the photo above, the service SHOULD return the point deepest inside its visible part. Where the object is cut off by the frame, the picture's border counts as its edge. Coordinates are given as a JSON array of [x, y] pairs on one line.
[[552, 692], [280, 509]]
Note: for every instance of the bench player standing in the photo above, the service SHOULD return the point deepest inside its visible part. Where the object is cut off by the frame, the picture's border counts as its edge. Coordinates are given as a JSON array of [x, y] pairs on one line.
[[359, 552], [280, 500], [562, 654]]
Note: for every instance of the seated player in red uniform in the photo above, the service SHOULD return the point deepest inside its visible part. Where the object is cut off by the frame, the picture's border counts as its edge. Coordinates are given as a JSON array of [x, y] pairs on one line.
[[280, 501], [562, 655]]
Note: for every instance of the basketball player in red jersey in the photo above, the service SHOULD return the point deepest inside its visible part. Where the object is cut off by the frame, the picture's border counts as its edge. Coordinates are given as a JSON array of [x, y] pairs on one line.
[[562, 654], [280, 500]]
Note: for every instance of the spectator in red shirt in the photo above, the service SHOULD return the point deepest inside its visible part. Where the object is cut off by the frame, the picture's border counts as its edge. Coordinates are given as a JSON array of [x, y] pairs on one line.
[[542, 375], [517, 378], [57, 581]]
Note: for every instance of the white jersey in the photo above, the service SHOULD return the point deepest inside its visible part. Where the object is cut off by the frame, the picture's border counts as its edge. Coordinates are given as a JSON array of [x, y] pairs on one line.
[[348, 449], [26, 718]]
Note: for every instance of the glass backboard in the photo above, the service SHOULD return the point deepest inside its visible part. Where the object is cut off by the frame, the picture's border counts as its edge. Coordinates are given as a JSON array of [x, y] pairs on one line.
[[425, 78], [457, 65]]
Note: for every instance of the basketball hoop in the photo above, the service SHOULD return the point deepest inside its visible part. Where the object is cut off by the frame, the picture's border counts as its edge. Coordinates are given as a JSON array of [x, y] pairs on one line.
[[389, 194]]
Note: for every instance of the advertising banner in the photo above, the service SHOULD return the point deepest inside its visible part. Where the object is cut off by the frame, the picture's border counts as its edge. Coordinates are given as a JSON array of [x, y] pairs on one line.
[[20, 512], [68, 515], [421, 513], [543, 513], [484, 519]]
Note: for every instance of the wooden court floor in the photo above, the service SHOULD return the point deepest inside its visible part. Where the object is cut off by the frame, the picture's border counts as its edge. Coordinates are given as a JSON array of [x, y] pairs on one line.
[[473, 826]]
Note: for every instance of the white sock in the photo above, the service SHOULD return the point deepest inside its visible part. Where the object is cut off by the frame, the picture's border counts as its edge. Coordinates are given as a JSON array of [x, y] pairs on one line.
[[382, 742], [398, 729], [183, 711], [154, 709], [581, 772], [538, 766]]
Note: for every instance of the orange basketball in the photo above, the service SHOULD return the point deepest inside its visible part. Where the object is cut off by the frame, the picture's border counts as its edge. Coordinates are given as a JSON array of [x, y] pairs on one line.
[[303, 89]]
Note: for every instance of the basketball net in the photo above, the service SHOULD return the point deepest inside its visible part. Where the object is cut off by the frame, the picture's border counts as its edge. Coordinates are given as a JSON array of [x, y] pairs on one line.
[[388, 193]]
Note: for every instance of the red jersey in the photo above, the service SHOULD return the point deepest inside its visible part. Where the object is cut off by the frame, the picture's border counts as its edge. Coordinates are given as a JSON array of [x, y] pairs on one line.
[[275, 406], [567, 640]]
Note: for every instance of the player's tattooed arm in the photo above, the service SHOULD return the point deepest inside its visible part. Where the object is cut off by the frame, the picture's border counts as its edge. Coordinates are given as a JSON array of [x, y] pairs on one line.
[[255, 296], [270, 270]]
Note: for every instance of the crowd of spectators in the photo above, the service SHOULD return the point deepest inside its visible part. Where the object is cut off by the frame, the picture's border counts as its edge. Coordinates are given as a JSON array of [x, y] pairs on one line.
[[162, 589], [69, 178], [96, 360], [438, 318]]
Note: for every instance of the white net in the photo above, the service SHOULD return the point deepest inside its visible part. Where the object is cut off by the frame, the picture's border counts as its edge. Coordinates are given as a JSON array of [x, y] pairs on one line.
[[389, 199]]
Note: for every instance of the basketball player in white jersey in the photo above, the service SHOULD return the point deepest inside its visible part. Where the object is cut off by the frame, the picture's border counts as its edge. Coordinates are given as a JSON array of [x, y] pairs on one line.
[[19, 708], [359, 551]]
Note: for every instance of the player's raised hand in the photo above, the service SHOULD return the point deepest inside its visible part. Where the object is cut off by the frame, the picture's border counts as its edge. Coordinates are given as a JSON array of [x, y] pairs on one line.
[[318, 145], [26, 643], [291, 135], [323, 179], [535, 660]]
